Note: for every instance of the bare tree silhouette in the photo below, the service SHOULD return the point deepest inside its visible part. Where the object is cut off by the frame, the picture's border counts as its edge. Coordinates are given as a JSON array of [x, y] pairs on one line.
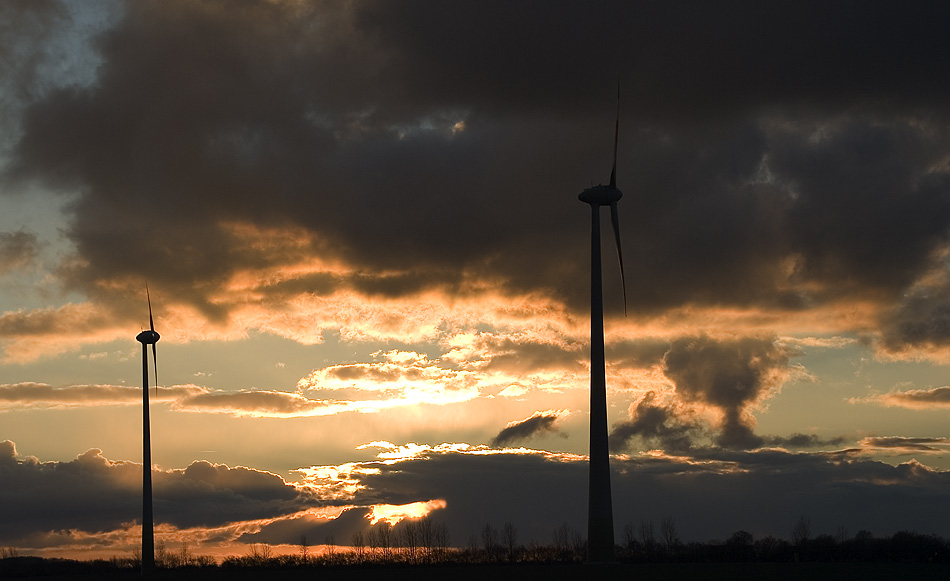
[[490, 542], [629, 540], [509, 538], [569, 545], [409, 537], [359, 546], [329, 551], [442, 540], [647, 537], [426, 538], [381, 538], [669, 535], [259, 553], [801, 531]]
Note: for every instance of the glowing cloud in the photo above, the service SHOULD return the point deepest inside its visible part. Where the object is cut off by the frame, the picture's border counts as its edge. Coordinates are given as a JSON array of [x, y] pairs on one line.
[[394, 513], [28, 335], [43, 395], [258, 403], [916, 399], [401, 378]]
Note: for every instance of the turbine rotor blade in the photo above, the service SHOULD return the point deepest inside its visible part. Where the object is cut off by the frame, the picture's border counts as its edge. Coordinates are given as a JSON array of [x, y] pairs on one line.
[[151, 323], [155, 366], [613, 171], [615, 222]]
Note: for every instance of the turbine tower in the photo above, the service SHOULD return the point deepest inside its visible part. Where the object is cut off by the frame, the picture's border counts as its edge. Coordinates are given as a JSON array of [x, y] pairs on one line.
[[146, 338], [600, 519]]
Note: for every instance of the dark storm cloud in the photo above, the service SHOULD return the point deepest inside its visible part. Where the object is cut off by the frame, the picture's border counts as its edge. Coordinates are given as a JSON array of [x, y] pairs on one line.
[[833, 492], [663, 426], [763, 492], [687, 58], [657, 425], [799, 440], [729, 375], [539, 491], [905, 445], [872, 201], [17, 250], [539, 424], [26, 27], [921, 320], [205, 494], [102, 494], [776, 155], [640, 354]]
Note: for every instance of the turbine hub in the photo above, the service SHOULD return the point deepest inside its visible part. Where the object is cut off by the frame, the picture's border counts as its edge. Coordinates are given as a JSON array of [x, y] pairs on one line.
[[148, 337], [600, 195]]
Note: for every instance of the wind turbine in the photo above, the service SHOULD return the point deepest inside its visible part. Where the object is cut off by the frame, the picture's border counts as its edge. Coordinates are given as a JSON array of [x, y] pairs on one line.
[[146, 338], [600, 519]]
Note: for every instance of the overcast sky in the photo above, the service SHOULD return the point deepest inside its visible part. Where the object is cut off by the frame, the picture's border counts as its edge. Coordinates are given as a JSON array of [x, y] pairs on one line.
[[359, 226]]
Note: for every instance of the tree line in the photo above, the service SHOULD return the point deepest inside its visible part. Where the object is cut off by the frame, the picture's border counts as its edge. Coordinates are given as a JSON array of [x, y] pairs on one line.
[[426, 541]]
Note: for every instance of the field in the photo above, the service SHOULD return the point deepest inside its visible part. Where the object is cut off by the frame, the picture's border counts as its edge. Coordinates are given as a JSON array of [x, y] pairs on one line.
[[552, 572]]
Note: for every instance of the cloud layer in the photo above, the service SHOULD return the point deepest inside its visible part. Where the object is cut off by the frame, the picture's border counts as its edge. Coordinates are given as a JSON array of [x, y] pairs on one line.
[[539, 424], [383, 185], [465, 487], [93, 494], [350, 170]]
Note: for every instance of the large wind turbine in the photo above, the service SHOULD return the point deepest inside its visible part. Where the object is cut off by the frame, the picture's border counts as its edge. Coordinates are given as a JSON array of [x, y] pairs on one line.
[[146, 338], [600, 519]]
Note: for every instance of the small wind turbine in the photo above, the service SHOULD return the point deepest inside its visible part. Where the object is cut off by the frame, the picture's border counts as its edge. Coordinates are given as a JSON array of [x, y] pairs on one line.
[[600, 519], [146, 338]]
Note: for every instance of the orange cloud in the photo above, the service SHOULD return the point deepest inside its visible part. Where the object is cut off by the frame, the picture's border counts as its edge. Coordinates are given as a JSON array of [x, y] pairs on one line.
[[257, 403], [916, 399], [904, 446], [294, 286], [28, 335], [43, 395]]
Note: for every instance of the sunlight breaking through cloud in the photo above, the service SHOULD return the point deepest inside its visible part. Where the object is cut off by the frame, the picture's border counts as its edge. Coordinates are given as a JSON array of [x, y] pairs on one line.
[[394, 514]]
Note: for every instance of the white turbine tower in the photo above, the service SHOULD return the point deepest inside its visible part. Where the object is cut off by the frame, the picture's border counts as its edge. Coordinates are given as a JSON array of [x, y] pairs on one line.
[[600, 520], [146, 338]]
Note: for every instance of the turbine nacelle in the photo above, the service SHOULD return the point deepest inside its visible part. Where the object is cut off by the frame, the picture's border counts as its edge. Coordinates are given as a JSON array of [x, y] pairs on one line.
[[600, 195], [148, 337]]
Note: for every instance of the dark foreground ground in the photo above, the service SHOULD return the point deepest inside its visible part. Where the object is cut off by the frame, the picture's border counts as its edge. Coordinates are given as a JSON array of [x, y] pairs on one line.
[[553, 572]]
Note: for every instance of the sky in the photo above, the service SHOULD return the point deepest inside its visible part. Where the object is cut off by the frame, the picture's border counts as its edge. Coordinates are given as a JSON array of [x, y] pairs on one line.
[[359, 227]]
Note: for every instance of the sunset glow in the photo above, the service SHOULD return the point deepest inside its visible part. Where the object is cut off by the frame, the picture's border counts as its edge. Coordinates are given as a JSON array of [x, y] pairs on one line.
[[370, 271]]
